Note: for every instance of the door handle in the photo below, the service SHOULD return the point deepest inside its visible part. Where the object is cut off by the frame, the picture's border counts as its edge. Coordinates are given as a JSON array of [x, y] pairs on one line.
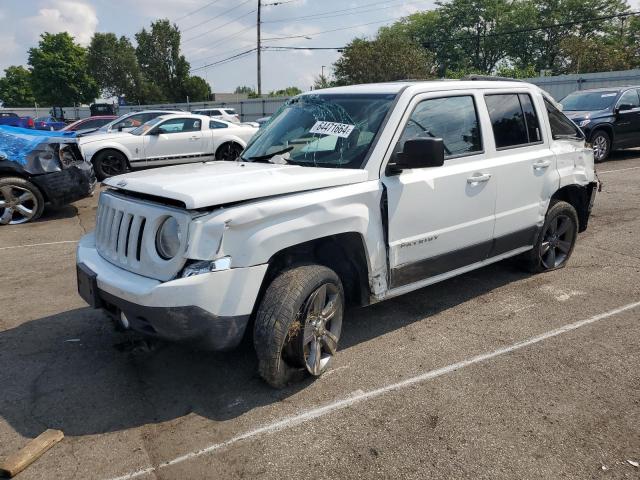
[[478, 178], [194, 138], [541, 164]]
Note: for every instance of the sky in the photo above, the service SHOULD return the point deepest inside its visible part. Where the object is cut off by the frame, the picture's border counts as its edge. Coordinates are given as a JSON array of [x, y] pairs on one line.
[[213, 31]]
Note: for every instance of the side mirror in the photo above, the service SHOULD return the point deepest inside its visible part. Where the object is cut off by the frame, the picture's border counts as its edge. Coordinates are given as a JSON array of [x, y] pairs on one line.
[[154, 132], [624, 106], [419, 153], [120, 128]]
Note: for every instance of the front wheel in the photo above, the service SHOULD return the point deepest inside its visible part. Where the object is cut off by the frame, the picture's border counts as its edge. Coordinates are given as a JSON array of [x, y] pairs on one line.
[[601, 145], [228, 151], [20, 201], [109, 163], [298, 324], [556, 240]]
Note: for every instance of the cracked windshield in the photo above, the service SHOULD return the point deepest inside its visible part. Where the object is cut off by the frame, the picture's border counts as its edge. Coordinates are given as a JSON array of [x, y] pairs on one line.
[[334, 131]]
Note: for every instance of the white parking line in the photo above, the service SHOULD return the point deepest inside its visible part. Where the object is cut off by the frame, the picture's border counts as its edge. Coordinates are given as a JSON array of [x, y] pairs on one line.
[[619, 170], [360, 396], [39, 244]]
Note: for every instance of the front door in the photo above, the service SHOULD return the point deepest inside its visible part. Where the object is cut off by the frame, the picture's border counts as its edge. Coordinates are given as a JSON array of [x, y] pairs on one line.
[[176, 140], [441, 218], [627, 120]]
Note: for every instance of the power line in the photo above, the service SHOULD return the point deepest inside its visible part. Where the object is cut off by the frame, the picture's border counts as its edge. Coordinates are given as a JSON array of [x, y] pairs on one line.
[[219, 26], [277, 48], [329, 12], [195, 11], [225, 60], [216, 16], [273, 4], [221, 40], [335, 29]]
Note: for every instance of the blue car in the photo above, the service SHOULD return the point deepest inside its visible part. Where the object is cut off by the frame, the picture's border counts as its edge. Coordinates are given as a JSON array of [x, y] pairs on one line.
[[38, 168], [48, 123]]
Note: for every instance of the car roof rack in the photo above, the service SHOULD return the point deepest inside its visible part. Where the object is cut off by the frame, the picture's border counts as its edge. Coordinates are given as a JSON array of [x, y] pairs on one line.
[[489, 78]]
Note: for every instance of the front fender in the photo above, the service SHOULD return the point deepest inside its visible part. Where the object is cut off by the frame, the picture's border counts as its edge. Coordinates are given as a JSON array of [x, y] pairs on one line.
[[90, 150], [253, 232]]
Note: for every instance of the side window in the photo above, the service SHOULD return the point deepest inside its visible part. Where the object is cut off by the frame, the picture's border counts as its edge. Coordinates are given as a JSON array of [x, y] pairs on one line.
[[130, 122], [530, 118], [630, 97], [179, 125], [454, 119], [513, 119], [213, 124], [561, 126]]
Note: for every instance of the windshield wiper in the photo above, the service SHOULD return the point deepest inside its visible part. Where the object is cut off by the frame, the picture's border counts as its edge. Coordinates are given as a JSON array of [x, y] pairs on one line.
[[269, 155]]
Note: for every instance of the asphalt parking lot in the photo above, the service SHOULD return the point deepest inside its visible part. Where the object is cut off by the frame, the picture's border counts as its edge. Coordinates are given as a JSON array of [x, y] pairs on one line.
[[494, 374]]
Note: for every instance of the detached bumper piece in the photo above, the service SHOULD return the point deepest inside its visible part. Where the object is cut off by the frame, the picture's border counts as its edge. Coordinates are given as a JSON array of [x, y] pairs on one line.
[[68, 185]]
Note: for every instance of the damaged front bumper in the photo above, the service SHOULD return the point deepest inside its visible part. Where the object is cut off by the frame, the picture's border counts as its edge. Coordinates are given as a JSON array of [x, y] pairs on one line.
[[210, 310], [68, 185]]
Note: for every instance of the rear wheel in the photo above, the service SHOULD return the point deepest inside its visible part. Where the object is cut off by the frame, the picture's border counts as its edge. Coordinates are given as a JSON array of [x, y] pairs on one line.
[[601, 145], [556, 240], [298, 324], [20, 201], [109, 163], [228, 151]]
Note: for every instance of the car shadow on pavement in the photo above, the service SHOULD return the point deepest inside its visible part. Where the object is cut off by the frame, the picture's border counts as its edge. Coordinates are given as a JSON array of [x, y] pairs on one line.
[[57, 213], [73, 372], [619, 156]]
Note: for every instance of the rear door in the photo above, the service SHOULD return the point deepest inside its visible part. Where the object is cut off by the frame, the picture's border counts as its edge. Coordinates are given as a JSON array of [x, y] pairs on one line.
[[176, 140], [526, 167], [441, 218]]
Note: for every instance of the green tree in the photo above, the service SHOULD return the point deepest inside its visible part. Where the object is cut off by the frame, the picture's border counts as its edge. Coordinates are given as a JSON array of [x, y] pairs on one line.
[[112, 62], [160, 60], [244, 90], [15, 87], [388, 57], [286, 92], [322, 81], [59, 71], [197, 89]]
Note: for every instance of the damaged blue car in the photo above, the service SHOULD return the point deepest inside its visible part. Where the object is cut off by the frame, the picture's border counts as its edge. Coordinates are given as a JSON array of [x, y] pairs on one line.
[[38, 167]]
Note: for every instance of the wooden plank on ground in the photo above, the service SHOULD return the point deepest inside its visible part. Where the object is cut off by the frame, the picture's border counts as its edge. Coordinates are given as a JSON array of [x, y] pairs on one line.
[[30, 452]]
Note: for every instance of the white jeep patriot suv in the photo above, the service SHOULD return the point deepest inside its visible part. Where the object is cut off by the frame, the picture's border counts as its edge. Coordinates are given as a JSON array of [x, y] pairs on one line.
[[350, 195]]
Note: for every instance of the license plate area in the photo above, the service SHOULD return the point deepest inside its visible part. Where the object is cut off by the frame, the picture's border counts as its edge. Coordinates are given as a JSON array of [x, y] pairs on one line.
[[88, 285]]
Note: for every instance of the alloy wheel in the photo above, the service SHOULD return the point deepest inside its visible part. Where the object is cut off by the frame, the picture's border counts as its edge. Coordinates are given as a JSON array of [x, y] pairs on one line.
[[557, 241], [17, 205], [321, 328], [600, 147]]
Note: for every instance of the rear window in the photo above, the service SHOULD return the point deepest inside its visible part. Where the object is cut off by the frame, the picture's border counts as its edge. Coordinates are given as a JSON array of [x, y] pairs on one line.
[[561, 126], [513, 119], [230, 111]]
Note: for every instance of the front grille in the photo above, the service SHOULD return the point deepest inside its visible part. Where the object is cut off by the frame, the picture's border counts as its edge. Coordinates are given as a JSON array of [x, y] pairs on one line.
[[125, 235], [119, 234]]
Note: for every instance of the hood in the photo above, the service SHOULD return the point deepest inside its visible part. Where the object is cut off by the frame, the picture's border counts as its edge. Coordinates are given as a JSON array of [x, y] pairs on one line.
[[577, 115], [216, 183], [97, 137]]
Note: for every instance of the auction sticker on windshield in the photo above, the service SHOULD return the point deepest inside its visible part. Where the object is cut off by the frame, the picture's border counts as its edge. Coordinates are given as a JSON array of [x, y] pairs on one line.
[[331, 128]]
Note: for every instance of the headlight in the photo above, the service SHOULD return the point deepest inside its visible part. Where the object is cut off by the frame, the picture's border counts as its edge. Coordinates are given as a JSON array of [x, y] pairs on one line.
[[584, 123], [168, 238], [206, 266]]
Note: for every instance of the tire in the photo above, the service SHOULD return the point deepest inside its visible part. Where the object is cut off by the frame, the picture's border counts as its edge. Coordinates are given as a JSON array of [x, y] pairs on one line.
[[290, 338], [20, 201], [228, 151], [601, 142], [109, 163], [556, 239]]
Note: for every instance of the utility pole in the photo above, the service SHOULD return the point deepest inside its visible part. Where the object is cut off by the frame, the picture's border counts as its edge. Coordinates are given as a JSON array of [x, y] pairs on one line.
[[258, 50]]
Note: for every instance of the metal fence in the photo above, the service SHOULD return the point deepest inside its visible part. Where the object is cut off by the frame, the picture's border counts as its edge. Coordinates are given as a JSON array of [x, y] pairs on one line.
[[251, 109], [561, 85]]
